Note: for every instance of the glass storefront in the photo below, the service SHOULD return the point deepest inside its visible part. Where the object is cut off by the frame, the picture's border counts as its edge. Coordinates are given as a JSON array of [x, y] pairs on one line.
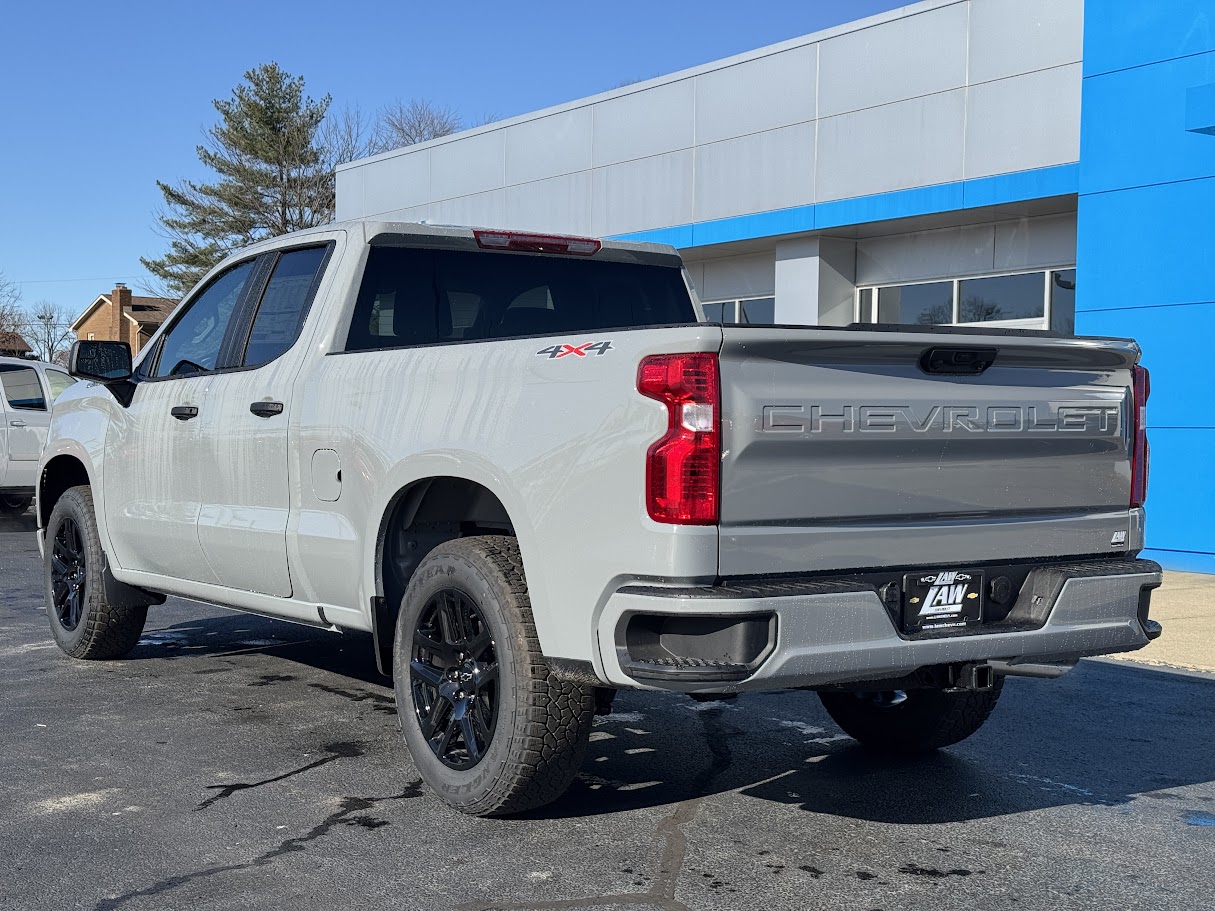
[[1028, 300], [751, 310]]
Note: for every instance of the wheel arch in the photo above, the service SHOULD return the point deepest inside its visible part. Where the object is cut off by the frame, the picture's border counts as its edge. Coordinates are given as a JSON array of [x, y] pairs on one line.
[[60, 474], [423, 512]]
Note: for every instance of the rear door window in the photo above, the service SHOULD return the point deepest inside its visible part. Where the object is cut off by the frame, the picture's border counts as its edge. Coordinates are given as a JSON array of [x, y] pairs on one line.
[[284, 305], [421, 297], [22, 390]]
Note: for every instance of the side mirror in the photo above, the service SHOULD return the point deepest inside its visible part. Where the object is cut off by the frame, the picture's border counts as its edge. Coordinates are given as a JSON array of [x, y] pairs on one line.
[[103, 362]]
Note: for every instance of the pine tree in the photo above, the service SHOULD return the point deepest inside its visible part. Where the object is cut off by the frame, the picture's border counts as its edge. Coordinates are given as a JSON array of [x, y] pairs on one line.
[[273, 178]]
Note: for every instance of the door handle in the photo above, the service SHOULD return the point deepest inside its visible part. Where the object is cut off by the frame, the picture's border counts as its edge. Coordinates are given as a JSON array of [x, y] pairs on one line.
[[266, 409], [16, 423], [184, 412]]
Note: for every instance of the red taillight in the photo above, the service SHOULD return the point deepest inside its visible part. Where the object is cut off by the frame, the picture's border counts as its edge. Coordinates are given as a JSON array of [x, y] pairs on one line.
[[1141, 388], [537, 243], [683, 469]]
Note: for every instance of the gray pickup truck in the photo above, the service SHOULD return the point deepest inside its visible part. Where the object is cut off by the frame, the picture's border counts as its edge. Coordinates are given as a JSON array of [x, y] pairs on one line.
[[532, 471]]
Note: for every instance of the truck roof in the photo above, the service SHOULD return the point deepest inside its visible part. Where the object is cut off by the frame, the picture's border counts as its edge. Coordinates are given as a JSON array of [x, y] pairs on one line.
[[373, 228]]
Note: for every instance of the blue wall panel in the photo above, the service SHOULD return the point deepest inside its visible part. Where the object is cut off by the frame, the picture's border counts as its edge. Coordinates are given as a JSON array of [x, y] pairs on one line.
[[1059, 180], [1039, 183], [1183, 387], [1143, 134], [1146, 243], [1181, 497], [1119, 34], [1148, 246]]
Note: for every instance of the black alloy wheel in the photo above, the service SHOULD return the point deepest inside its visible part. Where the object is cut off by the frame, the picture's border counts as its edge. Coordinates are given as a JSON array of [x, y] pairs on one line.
[[453, 671], [68, 569]]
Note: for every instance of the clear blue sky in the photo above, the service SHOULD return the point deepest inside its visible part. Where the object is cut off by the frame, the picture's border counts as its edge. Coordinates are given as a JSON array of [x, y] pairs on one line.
[[99, 100]]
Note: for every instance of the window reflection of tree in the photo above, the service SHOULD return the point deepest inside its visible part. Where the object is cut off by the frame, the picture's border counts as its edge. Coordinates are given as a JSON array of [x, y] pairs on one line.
[[936, 315], [979, 310]]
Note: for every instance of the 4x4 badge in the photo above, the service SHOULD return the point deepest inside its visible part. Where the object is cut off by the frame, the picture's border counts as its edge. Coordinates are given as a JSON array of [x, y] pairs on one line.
[[583, 350]]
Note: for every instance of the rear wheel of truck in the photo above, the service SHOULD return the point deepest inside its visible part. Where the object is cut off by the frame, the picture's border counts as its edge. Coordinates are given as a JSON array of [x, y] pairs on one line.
[[489, 727], [83, 622], [14, 506], [915, 721]]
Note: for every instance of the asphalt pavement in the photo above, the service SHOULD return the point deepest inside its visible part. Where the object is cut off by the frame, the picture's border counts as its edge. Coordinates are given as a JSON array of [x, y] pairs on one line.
[[235, 762]]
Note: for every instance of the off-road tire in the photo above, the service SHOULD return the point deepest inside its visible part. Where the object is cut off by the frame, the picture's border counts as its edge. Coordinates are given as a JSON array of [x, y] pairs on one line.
[[543, 723], [104, 631], [13, 506], [927, 720]]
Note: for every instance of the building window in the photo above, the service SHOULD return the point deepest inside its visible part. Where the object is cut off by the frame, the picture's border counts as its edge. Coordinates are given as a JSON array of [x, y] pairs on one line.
[[1063, 301], [1023, 300], [927, 304], [90, 336], [1002, 297], [759, 311]]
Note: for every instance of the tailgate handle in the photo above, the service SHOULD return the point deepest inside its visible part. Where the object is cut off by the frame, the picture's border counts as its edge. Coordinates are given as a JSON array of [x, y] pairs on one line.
[[957, 361]]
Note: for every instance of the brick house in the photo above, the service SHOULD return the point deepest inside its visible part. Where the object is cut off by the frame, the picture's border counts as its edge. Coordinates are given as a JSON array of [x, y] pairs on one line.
[[120, 316], [13, 345]]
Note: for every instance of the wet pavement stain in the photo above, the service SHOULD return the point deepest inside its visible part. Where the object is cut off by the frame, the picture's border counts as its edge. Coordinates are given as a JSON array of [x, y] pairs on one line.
[[271, 679], [379, 703], [341, 750], [933, 873], [340, 817], [1200, 818], [671, 835]]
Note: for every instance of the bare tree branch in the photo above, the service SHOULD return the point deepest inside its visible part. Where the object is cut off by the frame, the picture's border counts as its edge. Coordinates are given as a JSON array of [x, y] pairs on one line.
[[48, 330], [12, 317], [408, 123]]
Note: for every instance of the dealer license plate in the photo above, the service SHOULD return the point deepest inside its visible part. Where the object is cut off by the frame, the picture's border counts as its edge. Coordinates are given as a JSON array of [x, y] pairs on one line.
[[942, 599]]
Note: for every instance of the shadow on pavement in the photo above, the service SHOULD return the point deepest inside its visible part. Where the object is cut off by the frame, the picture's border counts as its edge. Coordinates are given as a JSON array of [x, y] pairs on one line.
[[1101, 736], [24, 523]]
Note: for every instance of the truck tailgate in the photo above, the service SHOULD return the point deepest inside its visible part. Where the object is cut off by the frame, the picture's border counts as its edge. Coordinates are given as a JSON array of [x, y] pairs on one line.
[[868, 436]]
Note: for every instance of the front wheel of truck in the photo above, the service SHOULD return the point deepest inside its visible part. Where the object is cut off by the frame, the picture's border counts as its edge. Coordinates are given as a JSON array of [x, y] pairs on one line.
[[915, 721], [83, 622], [489, 727]]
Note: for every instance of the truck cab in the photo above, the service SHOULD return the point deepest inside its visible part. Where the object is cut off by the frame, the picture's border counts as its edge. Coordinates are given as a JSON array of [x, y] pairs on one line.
[[27, 391]]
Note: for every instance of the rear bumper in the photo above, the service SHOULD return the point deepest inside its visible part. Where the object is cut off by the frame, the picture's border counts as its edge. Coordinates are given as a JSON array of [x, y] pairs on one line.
[[823, 632]]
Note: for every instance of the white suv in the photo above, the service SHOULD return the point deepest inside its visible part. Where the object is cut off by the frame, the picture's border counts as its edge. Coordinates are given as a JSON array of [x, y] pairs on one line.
[[27, 389]]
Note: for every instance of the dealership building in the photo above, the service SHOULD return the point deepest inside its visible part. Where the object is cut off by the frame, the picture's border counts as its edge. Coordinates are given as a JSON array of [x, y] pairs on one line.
[[1043, 164]]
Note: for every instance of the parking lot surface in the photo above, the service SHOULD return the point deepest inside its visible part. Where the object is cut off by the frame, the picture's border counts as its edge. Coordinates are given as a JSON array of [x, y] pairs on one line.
[[235, 762]]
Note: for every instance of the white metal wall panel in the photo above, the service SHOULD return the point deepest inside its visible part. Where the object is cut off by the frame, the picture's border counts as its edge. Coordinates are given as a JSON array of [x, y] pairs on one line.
[[349, 189], [914, 143], [397, 182], [1011, 246], [763, 94], [486, 210], [413, 213], [1008, 37], [549, 146], [1022, 123], [906, 58], [740, 136], [925, 255], [561, 204], [755, 173], [696, 275], [1036, 243], [732, 277], [467, 166], [636, 195], [645, 123]]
